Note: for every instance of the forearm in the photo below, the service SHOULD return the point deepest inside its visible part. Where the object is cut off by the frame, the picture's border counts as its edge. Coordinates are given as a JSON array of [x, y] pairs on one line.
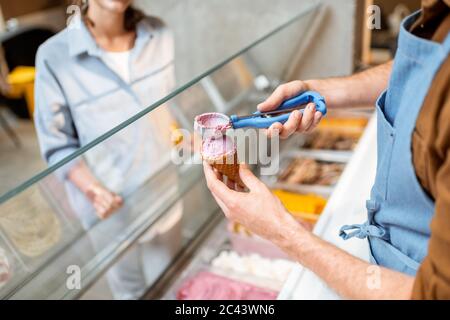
[[349, 276], [81, 176], [358, 90]]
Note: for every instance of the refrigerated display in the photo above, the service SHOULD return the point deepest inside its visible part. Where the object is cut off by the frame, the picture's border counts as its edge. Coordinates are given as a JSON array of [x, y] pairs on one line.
[[171, 218], [47, 236]]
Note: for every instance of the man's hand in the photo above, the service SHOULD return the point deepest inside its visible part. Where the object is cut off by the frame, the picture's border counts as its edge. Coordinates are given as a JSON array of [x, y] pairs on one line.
[[297, 122], [358, 90], [258, 210], [104, 201], [263, 214]]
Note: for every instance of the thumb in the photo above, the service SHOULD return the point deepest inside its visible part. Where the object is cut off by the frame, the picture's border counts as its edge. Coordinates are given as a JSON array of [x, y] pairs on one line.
[[247, 177]]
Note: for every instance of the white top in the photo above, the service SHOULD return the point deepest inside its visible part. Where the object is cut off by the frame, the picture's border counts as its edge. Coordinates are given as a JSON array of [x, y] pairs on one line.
[[119, 63]]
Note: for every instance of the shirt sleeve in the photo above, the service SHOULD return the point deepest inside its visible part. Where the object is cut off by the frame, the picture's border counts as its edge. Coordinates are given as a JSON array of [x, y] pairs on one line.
[[433, 278], [54, 124]]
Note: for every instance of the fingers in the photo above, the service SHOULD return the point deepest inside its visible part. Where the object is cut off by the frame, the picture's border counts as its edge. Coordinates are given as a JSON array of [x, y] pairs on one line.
[[248, 178], [317, 118], [308, 117], [106, 203], [280, 94], [100, 210], [292, 124], [118, 199], [102, 206], [274, 130], [217, 187], [297, 122]]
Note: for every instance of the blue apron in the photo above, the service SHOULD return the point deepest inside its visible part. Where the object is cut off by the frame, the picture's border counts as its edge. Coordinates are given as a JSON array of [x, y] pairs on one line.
[[399, 210]]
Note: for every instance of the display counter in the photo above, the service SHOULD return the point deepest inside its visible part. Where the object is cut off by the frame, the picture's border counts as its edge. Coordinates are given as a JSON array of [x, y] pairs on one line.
[[232, 263], [52, 246]]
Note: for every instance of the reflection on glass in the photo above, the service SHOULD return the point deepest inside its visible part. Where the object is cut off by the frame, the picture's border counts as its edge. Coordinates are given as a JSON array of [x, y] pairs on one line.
[[63, 220], [67, 84]]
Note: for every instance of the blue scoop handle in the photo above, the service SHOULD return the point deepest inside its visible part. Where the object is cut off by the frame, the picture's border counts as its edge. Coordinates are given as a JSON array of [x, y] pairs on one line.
[[266, 122]]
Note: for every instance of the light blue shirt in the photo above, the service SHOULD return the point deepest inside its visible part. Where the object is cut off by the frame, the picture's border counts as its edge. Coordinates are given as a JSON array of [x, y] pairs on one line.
[[78, 98]]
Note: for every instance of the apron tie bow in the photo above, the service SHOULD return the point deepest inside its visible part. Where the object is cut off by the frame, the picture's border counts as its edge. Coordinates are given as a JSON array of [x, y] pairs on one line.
[[361, 231]]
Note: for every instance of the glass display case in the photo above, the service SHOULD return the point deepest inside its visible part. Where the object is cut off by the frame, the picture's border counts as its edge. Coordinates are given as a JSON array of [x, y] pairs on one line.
[[53, 246]]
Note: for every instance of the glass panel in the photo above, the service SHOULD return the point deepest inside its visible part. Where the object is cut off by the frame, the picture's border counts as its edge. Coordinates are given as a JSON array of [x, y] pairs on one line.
[[50, 228], [201, 44]]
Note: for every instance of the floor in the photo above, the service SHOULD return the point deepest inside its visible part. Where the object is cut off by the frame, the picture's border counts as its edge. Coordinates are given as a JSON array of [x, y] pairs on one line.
[[17, 164]]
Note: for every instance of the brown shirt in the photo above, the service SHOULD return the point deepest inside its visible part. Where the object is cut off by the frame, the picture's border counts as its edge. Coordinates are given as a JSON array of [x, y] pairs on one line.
[[431, 157]]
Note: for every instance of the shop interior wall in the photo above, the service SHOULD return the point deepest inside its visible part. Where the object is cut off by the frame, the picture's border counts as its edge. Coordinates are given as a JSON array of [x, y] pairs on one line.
[[235, 23]]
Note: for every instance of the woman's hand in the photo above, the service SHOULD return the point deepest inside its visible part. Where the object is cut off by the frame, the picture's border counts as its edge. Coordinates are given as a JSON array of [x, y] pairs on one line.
[[258, 210], [104, 201], [297, 121]]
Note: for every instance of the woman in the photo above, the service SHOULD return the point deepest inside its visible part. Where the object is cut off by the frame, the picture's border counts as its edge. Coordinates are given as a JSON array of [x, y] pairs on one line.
[[106, 66]]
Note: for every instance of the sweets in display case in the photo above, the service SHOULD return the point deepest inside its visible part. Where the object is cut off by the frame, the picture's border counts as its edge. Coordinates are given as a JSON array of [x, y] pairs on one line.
[[344, 123], [32, 231], [306, 208], [311, 171], [335, 133], [244, 243], [298, 204], [254, 265], [331, 140], [206, 285]]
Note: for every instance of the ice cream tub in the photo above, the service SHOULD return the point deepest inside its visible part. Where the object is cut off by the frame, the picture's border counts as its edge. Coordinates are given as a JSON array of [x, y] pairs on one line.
[[346, 123], [306, 208], [206, 284], [244, 243], [258, 270], [308, 172], [330, 139], [11, 269]]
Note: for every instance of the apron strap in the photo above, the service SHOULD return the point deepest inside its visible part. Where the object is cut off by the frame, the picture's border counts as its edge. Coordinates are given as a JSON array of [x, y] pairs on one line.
[[446, 43], [411, 263], [365, 230]]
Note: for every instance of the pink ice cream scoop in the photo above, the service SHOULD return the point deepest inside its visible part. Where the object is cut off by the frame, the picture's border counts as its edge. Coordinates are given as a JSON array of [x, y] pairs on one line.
[[220, 152], [219, 147], [209, 286], [212, 124]]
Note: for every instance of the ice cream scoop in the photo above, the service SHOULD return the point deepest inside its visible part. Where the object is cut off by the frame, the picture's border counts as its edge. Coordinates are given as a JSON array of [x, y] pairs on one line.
[[217, 148], [215, 123]]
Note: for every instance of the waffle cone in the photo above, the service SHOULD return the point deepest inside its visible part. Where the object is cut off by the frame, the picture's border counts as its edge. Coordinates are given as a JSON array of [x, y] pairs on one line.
[[227, 165]]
